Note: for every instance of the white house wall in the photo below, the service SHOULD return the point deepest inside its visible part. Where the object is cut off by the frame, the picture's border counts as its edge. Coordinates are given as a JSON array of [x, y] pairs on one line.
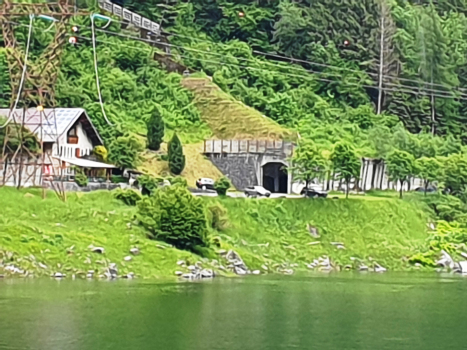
[[69, 150]]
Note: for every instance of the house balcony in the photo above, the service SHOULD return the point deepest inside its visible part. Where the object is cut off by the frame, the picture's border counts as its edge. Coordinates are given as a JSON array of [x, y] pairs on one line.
[[73, 140]]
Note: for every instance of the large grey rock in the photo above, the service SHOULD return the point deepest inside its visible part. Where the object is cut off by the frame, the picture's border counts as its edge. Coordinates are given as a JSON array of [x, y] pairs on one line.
[[99, 250], [446, 260], [313, 231], [134, 251]]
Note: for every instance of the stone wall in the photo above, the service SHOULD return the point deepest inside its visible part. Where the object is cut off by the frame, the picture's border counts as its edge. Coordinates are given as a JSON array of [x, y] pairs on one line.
[[92, 186], [240, 168]]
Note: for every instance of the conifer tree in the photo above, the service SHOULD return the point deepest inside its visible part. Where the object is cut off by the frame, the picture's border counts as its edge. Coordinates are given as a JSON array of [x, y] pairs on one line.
[[155, 126], [176, 157]]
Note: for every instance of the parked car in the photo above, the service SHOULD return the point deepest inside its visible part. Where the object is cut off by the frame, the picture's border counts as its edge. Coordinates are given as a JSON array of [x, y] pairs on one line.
[[257, 191], [205, 183], [314, 191], [430, 189]]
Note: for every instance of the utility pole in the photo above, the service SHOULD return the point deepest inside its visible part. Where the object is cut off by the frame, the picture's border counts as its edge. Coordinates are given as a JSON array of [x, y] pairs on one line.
[[381, 62], [37, 91]]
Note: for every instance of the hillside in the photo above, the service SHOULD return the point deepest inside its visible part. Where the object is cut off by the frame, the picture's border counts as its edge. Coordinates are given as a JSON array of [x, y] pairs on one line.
[[228, 118], [274, 75], [36, 232]]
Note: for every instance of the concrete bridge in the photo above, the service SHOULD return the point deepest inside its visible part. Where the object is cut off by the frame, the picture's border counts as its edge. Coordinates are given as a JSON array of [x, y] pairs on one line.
[[253, 162]]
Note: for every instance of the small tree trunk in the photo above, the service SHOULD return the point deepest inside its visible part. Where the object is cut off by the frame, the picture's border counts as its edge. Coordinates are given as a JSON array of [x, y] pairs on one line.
[[426, 186], [402, 187], [346, 189]]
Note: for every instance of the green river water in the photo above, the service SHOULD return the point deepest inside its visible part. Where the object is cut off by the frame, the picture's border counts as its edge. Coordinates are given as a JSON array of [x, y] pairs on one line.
[[341, 311]]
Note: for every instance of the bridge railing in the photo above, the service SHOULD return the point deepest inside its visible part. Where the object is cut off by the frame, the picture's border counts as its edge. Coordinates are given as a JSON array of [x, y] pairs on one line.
[[248, 146], [130, 17]]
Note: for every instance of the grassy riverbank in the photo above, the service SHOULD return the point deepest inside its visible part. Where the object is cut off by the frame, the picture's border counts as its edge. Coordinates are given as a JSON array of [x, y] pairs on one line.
[[35, 233]]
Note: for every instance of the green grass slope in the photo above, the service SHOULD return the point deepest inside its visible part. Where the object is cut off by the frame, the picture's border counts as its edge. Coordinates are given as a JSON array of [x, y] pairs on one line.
[[229, 118], [48, 236], [275, 232], [56, 234]]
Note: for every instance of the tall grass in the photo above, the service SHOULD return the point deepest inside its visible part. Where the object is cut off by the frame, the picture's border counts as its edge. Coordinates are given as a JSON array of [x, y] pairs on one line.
[[275, 231], [59, 234], [36, 232]]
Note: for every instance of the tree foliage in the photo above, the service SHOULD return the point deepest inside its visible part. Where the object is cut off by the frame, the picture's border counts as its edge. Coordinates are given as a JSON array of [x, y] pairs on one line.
[[155, 126], [429, 170], [124, 151], [308, 162], [345, 163], [401, 166], [176, 157]]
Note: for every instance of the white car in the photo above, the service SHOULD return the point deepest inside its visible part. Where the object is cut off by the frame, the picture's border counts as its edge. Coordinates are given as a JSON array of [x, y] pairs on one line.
[[257, 191], [205, 184]]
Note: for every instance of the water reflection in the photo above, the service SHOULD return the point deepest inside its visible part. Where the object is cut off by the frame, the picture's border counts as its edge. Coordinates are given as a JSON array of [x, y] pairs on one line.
[[320, 312]]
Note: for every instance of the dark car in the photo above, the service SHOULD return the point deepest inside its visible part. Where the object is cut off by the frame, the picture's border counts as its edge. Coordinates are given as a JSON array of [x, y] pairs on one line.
[[314, 191], [430, 189]]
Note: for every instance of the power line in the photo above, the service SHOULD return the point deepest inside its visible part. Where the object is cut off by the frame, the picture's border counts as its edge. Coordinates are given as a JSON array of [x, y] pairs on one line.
[[409, 91], [301, 70], [323, 65]]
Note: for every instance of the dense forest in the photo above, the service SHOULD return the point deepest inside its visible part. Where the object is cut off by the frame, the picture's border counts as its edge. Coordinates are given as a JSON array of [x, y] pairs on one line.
[[330, 70]]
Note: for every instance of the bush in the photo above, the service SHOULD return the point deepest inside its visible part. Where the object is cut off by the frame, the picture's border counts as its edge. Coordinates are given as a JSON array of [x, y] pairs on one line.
[[101, 153], [117, 179], [222, 185], [177, 180], [172, 214], [447, 208], [217, 216], [81, 179], [128, 196]]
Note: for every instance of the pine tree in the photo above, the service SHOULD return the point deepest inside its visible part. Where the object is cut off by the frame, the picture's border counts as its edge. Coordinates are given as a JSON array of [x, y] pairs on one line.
[[155, 126], [176, 157]]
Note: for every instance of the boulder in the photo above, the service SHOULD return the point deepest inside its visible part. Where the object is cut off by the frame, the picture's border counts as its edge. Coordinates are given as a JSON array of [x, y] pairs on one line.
[[239, 271], [99, 250], [463, 267], [379, 268], [134, 251], [313, 231], [446, 260], [207, 274], [127, 258]]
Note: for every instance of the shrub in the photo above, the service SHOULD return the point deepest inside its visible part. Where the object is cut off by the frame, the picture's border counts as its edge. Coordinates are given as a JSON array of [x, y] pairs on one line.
[[128, 196], [176, 157], [172, 214], [447, 208], [116, 179], [81, 179], [222, 185], [101, 153], [177, 180], [217, 216]]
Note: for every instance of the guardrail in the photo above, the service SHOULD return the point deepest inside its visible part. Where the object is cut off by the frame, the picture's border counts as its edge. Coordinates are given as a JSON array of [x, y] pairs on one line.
[[130, 17], [248, 146]]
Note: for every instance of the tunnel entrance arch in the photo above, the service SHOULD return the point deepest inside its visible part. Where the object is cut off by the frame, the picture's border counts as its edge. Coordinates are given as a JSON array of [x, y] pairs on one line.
[[275, 177]]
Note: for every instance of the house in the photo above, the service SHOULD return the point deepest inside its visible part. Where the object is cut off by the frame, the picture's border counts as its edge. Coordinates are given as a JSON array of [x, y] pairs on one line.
[[68, 138]]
